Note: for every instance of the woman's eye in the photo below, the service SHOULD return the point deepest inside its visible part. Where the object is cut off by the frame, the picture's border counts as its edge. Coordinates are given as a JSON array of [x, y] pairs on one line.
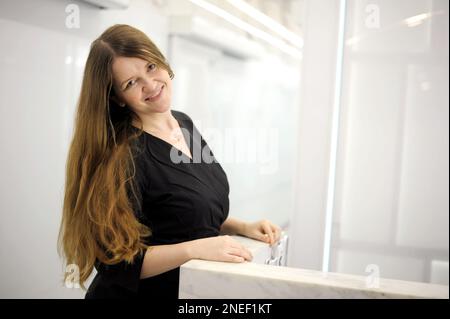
[[131, 83], [151, 67]]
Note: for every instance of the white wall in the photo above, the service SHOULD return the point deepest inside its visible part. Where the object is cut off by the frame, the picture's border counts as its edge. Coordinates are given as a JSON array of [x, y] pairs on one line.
[[41, 64], [307, 228], [390, 208]]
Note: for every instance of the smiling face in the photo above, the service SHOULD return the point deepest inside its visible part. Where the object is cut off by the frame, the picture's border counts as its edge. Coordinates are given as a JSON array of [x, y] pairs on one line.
[[143, 86]]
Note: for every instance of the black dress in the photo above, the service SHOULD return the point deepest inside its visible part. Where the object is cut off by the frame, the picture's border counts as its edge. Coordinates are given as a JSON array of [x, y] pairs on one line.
[[178, 201]]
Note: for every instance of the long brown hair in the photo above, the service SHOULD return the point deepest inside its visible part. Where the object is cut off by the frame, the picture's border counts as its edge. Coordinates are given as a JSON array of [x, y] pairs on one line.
[[98, 219]]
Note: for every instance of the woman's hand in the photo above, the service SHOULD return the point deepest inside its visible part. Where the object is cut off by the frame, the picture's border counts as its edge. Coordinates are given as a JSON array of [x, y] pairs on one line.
[[220, 248], [263, 230]]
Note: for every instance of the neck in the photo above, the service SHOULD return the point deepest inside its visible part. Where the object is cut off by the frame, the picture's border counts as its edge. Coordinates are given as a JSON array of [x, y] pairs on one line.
[[159, 122]]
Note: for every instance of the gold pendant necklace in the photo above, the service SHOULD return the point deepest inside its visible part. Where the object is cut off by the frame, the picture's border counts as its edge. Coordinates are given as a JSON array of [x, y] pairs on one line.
[[176, 135]]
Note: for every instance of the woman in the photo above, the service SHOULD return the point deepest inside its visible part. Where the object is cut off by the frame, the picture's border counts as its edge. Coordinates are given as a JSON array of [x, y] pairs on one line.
[[130, 210]]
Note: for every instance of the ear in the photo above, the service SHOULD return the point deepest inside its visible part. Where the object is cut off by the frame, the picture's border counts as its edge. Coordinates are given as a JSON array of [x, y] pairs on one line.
[[115, 99]]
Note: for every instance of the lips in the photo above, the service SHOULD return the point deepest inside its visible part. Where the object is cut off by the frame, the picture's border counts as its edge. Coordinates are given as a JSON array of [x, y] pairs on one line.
[[155, 97]]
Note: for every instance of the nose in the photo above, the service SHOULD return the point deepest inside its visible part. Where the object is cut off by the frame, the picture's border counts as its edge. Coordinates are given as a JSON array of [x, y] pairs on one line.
[[149, 85]]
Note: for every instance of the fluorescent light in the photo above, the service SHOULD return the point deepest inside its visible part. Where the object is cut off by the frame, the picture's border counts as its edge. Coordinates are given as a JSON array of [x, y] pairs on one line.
[[268, 22], [334, 139], [276, 42], [110, 4], [417, 20]]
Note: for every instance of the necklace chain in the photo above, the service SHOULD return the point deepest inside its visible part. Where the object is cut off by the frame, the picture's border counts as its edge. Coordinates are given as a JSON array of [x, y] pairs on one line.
[[175, 134]]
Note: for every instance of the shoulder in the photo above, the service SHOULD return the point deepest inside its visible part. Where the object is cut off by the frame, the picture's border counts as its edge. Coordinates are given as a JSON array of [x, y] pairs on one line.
[[181, 116]]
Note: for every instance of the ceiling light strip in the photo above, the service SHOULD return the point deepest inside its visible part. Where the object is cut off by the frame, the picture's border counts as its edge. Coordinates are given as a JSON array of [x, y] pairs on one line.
[[268, 22], [276, 42]]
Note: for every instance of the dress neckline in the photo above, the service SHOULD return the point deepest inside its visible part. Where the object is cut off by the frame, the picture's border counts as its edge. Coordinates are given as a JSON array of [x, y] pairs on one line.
[[182, 127]]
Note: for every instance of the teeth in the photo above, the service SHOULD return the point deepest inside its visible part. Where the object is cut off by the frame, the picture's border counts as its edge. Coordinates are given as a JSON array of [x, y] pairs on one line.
[[156, 93]]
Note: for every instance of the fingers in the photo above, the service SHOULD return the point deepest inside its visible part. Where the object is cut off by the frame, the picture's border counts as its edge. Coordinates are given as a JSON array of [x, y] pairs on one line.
[[236, 259], [268, 232], [272, 232], [241, 252], [236, 251], [277, 232]]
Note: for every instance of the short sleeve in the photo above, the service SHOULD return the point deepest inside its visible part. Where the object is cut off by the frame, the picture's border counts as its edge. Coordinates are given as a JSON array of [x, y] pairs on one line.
[[123, 274]]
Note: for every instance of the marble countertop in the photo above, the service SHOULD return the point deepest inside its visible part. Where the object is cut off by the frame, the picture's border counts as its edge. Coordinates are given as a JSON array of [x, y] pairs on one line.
[[210, 279]]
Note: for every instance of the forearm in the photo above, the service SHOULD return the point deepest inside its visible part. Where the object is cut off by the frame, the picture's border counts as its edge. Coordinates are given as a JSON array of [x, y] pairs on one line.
[[233, 226], [159, 259]]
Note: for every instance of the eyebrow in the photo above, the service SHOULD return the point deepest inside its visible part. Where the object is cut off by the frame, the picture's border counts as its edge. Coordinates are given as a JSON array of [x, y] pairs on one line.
[[123, 82]]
